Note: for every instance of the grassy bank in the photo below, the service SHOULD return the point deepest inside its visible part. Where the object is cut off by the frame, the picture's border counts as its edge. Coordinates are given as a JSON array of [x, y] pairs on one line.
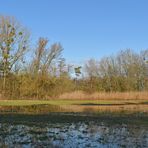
[[71, 102]]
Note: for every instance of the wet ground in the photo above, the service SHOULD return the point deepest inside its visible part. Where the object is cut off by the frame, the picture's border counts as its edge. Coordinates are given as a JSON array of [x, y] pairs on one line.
[[73, 135], [74, 126]]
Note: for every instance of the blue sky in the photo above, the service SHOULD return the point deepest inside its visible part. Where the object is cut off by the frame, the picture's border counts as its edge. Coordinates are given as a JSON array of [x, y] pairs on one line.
[[85, 28]]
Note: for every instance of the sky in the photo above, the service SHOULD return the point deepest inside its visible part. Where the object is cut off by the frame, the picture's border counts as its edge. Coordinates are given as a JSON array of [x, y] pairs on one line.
[[85, 28]]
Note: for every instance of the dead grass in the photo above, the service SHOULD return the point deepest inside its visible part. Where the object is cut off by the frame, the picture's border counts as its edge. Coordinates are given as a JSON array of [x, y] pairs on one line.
[[104, 95]]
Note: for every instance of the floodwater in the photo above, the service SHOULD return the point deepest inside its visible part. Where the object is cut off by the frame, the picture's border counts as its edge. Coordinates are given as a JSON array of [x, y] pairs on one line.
[[73, 135], [79, 134], [83, 108]]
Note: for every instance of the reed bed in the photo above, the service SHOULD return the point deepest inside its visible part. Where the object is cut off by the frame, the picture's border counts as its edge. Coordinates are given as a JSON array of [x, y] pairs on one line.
[[106, 95]]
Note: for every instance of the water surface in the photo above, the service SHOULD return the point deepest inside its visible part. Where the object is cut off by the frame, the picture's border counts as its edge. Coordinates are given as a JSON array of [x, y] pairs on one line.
[[73, 135], [74, 126], [81, 108]]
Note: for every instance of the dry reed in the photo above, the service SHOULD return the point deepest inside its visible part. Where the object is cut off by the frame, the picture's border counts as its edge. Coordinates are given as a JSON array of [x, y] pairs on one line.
[[106, 95]]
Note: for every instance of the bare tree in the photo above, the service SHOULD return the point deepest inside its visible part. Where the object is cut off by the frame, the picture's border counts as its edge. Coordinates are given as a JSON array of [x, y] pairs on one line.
[[44, 56], [92, 68], [13, 44], [43, 65]]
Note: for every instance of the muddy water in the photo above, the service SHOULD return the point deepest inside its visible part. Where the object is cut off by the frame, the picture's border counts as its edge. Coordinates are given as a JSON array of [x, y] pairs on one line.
[[73, 135]]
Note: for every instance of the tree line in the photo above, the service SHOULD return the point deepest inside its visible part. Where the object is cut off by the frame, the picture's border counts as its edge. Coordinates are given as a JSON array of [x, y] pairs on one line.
[[41, 72]]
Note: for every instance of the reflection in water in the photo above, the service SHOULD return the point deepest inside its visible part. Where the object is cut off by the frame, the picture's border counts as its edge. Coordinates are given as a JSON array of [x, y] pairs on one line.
[[44, 109], [73, 135], [35, 109]]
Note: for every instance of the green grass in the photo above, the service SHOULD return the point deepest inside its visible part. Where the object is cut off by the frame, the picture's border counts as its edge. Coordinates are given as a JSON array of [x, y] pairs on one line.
[[66, 102]]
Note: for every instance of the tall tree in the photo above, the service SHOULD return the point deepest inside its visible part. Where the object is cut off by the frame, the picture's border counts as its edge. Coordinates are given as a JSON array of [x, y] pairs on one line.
[[43, 66], [13, 44], [45, 56]]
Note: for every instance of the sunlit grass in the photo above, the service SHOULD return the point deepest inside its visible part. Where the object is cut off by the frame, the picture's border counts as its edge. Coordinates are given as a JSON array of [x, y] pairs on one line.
[[67, 102]]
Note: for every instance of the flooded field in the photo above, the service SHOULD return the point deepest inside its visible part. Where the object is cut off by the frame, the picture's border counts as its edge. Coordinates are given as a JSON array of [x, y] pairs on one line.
[[73, 135], [74, 126], [77, 108]]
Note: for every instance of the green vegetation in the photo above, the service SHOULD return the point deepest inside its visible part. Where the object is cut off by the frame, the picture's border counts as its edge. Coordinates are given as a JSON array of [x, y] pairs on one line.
[[69, 102]]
